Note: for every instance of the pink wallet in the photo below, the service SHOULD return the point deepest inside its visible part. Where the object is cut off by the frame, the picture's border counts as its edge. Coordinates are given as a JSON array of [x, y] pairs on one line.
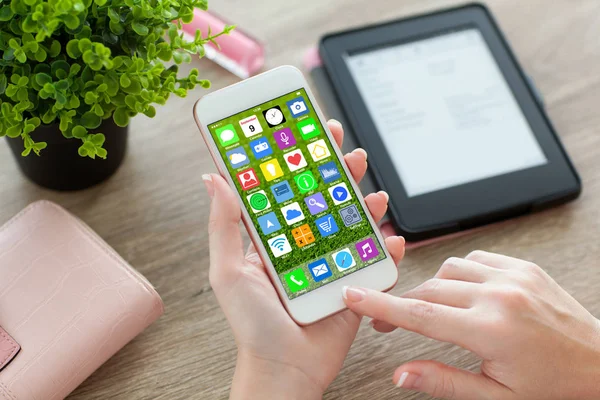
[[68, 302]]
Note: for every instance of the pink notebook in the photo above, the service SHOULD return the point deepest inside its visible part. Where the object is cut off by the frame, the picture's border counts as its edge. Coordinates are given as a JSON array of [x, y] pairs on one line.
[[68, 302]]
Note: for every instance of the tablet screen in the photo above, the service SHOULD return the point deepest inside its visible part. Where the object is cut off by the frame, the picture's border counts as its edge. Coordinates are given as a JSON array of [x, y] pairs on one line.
[[444, 111]]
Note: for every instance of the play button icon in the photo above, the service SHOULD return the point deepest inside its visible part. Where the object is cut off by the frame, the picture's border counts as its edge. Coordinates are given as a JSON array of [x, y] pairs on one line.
[[339, 193]]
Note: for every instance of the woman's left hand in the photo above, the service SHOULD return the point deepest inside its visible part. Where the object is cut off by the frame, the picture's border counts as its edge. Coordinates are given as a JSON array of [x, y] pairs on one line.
[[276, 357]]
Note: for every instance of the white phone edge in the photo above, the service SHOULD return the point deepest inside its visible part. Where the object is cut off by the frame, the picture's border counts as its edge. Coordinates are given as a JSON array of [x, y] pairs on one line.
[[326, 300]]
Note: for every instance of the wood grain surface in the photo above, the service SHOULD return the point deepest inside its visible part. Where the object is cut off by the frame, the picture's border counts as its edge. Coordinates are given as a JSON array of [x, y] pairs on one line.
[[154, 211]]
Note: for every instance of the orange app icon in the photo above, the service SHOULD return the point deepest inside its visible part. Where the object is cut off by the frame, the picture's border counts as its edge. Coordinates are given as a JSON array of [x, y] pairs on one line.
[[303, 235]]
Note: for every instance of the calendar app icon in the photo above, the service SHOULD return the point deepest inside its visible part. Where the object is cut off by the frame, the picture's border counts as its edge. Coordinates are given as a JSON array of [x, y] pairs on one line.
[[251, 126]]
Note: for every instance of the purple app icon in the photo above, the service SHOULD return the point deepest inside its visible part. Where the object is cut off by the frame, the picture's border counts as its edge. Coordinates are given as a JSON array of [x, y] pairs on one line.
[[367, 249], [316, 203], [284, 138]]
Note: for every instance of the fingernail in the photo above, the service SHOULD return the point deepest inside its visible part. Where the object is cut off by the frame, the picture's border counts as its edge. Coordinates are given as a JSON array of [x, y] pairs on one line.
[[384, 194], [402, 379], [353, 294], [409, 380], [335, 122], [359, 150], [210, 186]]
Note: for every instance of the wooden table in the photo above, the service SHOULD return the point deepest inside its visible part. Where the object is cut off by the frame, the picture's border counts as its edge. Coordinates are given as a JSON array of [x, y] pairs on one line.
[[154, 211]]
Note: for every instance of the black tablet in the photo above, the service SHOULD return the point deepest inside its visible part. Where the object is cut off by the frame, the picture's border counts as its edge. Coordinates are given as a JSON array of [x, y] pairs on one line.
[[455, 132]]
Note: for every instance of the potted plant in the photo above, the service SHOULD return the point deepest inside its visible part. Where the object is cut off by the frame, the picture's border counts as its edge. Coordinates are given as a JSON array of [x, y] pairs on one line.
[[74, 72]]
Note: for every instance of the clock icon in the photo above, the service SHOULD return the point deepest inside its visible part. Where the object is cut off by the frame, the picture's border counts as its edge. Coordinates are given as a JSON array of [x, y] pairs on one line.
[[274, 116]]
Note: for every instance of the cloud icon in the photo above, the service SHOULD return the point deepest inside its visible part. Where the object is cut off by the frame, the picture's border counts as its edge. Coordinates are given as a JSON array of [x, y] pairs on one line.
[[237, 158], [227, 135], [291, 214]]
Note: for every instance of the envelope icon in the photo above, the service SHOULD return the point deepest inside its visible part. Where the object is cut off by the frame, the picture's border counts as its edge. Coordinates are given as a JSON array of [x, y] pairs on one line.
[[319, 270]]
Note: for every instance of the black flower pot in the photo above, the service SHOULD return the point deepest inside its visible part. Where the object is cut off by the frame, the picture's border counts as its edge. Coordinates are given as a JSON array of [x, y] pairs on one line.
[[59, 165]]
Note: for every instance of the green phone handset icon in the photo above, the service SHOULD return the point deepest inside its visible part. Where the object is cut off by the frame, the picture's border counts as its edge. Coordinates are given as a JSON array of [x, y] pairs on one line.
[[296, 280]]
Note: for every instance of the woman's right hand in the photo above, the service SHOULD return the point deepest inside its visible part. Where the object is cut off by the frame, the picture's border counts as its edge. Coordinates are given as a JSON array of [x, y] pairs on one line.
[[535, 340]]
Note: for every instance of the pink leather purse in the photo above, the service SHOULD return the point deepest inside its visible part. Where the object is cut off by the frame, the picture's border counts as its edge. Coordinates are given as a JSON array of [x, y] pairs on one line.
[[68, 302]]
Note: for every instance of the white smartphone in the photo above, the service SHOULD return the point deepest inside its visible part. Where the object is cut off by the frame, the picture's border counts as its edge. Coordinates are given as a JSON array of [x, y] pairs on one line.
[[301, 206]]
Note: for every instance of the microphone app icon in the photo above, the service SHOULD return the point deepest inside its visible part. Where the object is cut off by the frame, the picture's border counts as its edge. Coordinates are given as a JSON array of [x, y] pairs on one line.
[[284, 138]]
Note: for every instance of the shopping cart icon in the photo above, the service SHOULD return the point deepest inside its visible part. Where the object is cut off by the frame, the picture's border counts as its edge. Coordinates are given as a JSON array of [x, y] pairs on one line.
[[326, 225]]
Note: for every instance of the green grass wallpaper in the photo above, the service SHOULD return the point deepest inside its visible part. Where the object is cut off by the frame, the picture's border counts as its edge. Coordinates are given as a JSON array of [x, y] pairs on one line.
[[322, 247]]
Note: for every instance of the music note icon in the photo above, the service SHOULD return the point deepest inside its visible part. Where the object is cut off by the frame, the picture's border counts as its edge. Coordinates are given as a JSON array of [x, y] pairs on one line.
[[366, 249]]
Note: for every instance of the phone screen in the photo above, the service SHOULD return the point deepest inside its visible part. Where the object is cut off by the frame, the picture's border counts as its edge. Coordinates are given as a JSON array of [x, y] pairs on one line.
[[296, 192]]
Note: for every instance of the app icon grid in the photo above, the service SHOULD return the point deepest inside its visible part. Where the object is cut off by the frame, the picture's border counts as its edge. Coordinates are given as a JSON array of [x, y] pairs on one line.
[[303, 134]]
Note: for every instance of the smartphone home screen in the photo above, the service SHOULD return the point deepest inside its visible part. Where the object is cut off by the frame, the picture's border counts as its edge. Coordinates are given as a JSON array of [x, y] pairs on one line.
[[296, 192]]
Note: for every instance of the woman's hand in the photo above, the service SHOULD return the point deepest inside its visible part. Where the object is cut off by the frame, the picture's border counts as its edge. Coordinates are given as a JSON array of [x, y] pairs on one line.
[[535, 340], [276, 358]]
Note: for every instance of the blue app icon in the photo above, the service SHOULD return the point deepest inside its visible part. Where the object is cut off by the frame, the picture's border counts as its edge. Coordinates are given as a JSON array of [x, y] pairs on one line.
[[326, 225], [343, 259], [330, 172], [339, 193], [319, 270], [261, 148], [282, 191], [269, 223], [237, 157], [297, 107]]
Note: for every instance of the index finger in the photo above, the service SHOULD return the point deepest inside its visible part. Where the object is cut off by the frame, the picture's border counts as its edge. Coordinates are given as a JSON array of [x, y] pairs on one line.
[[437, 321]]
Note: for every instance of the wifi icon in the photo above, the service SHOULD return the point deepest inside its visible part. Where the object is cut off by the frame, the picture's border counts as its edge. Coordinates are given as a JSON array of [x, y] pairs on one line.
[[279, 245]]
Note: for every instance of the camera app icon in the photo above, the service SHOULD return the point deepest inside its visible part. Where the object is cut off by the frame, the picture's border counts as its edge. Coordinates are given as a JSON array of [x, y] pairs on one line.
[[297, 107]]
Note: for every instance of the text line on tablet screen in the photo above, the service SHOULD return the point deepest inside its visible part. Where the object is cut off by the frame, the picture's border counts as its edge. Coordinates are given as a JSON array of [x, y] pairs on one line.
[[444, 111]]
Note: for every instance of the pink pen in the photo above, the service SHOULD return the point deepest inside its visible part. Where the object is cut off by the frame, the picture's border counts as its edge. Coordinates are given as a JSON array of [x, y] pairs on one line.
[[239, 53]]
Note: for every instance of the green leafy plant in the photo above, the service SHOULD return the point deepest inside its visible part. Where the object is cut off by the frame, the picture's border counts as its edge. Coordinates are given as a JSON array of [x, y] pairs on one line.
[[75, 63]]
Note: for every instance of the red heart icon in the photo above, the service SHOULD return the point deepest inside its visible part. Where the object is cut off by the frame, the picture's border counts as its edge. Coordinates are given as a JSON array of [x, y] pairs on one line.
[[296, 159]]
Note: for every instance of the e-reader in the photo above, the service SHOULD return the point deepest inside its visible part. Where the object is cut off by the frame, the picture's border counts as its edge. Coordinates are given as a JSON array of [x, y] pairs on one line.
[[455, 131]]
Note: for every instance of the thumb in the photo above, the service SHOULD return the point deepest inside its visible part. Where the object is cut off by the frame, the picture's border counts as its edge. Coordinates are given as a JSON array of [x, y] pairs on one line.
[[226, 245], [445, 382]]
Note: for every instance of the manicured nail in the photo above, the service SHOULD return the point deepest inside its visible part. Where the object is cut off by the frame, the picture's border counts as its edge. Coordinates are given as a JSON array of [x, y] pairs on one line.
[[409, 380], [353, 294], [335, 122], [210, 186], [384, 194], [402, 379], [359, 150]]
